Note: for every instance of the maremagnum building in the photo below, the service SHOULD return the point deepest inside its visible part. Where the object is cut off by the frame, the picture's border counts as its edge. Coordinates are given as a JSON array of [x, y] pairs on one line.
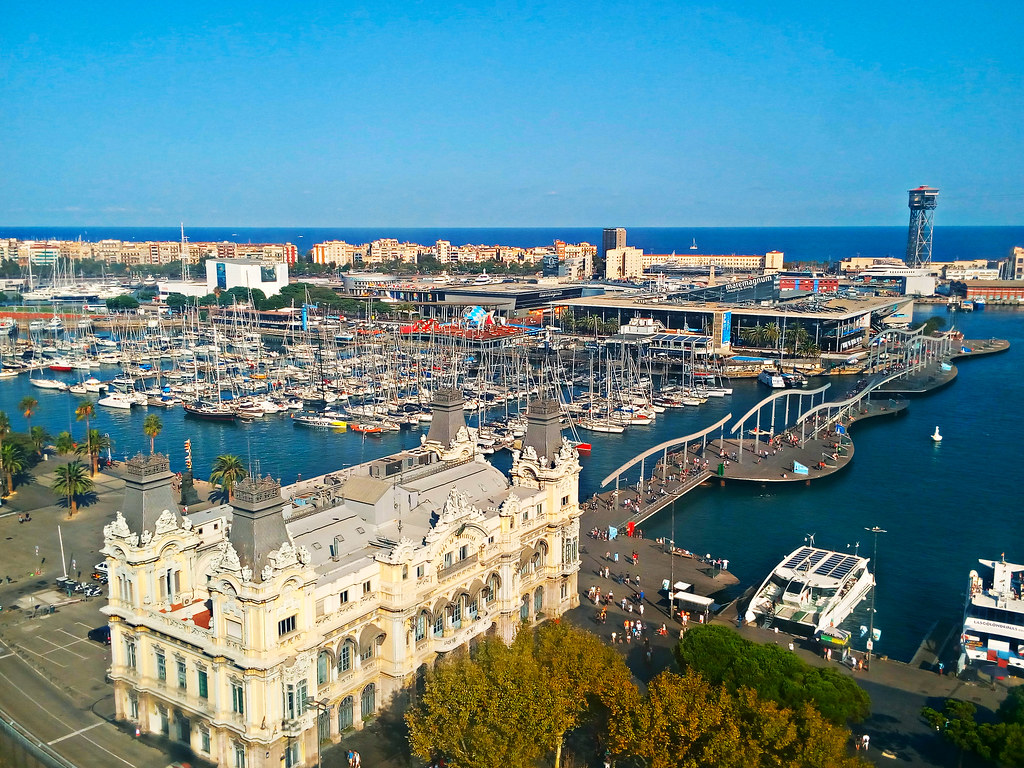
[[259, 630]]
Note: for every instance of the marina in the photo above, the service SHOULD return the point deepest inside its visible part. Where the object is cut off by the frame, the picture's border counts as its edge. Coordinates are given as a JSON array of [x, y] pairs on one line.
[[705, 516]]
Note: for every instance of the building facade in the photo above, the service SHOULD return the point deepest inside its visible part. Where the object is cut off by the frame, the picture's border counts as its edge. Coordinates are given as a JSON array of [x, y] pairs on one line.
[[224, 274], [632, 263], [257, 632]]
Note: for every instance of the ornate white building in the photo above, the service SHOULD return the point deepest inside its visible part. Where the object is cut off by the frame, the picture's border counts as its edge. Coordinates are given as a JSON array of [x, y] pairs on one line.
[[257, 631]]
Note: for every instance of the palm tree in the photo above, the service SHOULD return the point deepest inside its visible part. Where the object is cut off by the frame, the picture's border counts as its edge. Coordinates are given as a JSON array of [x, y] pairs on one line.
[[27, 405], [71, 482], [152, 427], [12, 461], [85, 410], [38, 436], [65, 443], [227, 471], [771, 335], [95, 444], [755, 336]]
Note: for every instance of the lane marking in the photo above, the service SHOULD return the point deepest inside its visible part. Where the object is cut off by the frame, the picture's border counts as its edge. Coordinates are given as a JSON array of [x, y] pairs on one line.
[[75, 733]]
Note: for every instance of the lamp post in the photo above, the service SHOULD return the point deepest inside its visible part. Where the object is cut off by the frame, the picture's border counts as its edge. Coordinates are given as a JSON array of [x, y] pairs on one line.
[[321, 707], [871, 620]]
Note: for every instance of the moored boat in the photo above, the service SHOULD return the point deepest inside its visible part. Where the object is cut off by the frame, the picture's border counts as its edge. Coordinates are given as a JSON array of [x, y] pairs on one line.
[[811, 590], [209, 412], [993, 617]]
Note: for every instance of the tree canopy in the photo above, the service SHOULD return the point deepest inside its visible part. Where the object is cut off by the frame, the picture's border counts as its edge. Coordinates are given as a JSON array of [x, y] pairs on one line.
[[514, 706], [1001, 742], [722, 657]]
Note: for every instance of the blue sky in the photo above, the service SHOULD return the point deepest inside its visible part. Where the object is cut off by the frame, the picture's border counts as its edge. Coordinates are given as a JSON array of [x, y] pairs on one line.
[[509, 114]]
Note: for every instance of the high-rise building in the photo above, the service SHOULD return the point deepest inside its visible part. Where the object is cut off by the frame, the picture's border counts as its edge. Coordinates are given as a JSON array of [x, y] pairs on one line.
[[919, 239], [611, 239]]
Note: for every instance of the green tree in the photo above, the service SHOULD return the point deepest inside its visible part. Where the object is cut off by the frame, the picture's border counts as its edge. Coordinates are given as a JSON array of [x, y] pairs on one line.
[[176, 301], [84, 412], [152, 427], [12, 461], [93, 447], [65, 443], [755, 336], [38, 436], [28, 405], [1002, 742], [122, 303], [5, 430], [228, 470], [71, 481], [722, 657]]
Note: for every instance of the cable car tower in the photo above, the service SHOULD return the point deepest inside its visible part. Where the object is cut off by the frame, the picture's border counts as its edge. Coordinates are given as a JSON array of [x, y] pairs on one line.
[[919, 239]]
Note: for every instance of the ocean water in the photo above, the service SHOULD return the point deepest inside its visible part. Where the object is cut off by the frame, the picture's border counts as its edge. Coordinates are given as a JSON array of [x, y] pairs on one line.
[[821, 244]]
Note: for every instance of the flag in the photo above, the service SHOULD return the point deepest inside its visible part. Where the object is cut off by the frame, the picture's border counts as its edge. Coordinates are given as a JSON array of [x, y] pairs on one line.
[[840, 429], [799, 469], [877, 634], [475, 316], [612, 532]]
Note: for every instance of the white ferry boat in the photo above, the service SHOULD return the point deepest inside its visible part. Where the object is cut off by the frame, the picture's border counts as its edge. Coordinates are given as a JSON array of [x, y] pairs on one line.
[[811, 590], [993, 629]]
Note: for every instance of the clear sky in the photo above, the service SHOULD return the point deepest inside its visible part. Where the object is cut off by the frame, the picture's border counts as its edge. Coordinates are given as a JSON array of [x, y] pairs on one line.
[[509, 113]]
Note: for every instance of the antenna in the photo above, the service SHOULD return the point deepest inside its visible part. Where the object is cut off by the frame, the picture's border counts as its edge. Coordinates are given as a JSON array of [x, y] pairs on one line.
[[185, 276]]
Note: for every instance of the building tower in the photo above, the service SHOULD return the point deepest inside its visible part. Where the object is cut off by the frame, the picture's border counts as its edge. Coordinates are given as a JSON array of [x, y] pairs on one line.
[[611, 239], [919, 239]]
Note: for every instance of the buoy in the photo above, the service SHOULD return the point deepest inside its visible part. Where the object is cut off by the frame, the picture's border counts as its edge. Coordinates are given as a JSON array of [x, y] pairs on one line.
[[937, 437]]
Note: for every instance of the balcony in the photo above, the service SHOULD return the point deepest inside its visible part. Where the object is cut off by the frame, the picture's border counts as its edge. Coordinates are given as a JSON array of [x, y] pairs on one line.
[[443, 574]]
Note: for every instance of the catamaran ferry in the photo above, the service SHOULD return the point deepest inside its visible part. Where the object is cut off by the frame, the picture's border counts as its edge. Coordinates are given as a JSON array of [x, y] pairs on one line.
[[811, 590], [994, 617]]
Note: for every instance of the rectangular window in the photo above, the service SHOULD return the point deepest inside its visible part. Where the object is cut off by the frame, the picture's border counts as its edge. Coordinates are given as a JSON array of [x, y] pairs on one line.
[[239, 748], [133, 708], [204, 739], [302, 694], [203, 684], [345, 660], [366, 587], [540, 510], [367, 652], [439, 625], [405, 572], [161, 666], [463, 552], [129, 655], [447, 559], [237, 699], [182, 674], [565, 501], [421, 627], [343, 597], [526, 515], [420, 570], [286, 626]]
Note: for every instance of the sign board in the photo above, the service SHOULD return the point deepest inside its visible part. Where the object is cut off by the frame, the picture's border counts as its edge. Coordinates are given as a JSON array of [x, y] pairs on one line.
[[870, 644]]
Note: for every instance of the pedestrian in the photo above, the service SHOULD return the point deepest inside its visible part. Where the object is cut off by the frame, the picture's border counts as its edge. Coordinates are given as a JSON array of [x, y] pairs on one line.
[[942, 669], [640, 609], [613, 638], [791, 645], [866, 740], [37, 550]]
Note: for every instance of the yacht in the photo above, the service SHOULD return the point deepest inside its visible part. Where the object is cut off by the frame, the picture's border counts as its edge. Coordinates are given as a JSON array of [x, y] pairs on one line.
[[993, 628], [772, 378], [811, 590], [116, 400]]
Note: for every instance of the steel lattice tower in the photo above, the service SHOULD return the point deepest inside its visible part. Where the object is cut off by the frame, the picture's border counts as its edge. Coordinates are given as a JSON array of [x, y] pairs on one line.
[[919, 239]]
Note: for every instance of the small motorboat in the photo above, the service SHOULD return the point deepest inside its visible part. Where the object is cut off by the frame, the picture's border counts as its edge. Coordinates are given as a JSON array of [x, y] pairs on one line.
[[936, 437]]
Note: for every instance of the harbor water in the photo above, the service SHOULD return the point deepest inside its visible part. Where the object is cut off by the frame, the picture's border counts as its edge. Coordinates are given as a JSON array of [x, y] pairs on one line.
[[943, 506]]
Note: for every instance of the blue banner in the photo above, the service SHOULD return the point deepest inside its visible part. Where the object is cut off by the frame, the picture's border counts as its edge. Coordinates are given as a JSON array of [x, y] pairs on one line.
[[612, 532], [840, 429], [799, 469]]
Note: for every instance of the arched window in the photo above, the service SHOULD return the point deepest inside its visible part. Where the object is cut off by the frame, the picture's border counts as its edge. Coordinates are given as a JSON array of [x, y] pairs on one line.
[[345, 713], [472, 608], [368, 700], [345, 656], [493, 584], [439, 624], [456, 612], [538, 600], [524, 608], [421, 626], [323, 668]]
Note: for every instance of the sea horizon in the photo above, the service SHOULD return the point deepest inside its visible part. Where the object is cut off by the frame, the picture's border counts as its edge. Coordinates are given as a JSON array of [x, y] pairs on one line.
[[804, 243]]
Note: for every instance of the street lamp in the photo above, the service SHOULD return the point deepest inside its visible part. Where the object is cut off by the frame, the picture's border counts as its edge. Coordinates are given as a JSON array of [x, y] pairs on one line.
[[321, 707], [871, 621]]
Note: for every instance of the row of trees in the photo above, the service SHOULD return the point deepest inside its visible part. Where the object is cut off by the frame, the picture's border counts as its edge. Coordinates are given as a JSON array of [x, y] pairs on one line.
[[295, 294], [512, 706], [795, 340]]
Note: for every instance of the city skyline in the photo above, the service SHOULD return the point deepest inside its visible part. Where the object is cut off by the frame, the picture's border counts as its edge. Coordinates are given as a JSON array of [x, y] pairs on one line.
[[531, 115]]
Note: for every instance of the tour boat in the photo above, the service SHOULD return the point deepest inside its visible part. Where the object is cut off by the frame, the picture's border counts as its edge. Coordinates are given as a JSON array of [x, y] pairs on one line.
[[811, 590], [993, 617], [936, 437], [320, 420]]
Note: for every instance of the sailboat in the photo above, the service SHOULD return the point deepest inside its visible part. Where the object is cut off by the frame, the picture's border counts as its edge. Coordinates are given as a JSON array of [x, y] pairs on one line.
[[936, 437], [693, 245]]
